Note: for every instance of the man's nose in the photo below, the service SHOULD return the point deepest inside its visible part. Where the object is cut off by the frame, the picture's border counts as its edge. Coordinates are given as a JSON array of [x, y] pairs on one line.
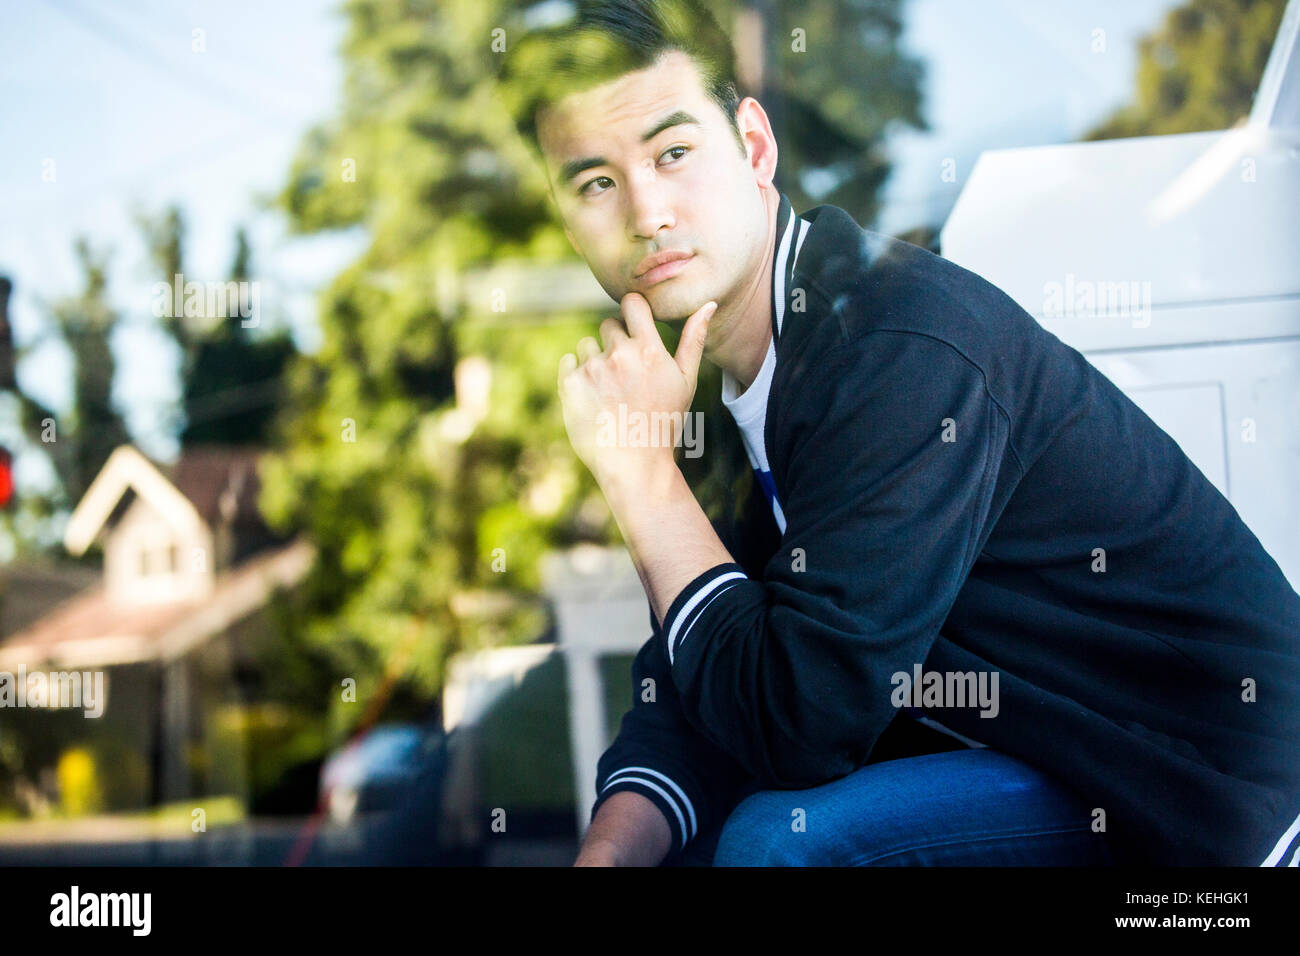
[[650, 210]]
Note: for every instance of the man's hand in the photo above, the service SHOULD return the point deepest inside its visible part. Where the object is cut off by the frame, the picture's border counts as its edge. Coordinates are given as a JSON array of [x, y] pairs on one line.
[[636, 372]]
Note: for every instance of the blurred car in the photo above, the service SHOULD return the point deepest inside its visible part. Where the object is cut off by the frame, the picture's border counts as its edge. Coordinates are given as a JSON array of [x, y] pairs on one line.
[[372, 772]]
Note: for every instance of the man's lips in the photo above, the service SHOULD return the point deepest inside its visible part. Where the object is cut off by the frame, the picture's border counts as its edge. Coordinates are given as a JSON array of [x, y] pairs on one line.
[[662, 265]]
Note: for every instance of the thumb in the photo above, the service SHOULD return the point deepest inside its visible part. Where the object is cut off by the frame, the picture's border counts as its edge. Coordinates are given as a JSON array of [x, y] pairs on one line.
[[690, 349]]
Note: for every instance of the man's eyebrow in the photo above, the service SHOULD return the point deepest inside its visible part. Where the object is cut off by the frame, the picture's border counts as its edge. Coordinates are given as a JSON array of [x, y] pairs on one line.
[[672, 119], [574, 166]]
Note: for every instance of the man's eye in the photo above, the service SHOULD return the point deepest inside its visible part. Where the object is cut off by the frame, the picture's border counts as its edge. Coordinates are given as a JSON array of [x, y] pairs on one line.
[[675, 149], [584, 191]]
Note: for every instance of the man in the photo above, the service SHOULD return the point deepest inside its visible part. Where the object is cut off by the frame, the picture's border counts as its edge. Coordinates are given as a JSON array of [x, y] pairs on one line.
[[959, 524]]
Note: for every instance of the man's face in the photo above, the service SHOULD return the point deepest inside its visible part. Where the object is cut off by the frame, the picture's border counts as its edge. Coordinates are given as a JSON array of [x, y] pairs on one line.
[[627, 186]]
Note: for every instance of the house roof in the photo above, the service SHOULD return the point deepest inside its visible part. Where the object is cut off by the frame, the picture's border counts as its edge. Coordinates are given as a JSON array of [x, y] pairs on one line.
[[206, 484], [31, 589], [90, 630], [204, 472], [62, 613]]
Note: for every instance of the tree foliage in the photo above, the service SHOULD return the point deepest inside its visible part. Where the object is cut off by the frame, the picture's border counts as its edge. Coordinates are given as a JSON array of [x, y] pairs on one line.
[[232, 374], [86, 322], [1199, 70]]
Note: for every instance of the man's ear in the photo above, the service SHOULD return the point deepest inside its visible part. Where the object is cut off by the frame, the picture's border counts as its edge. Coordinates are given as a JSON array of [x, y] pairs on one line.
[[760, 142]]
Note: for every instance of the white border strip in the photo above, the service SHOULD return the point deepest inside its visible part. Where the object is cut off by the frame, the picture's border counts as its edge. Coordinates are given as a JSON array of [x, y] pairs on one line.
[[625, 774], [707, 588], [804, 226], [778, 269], [1291, 831]]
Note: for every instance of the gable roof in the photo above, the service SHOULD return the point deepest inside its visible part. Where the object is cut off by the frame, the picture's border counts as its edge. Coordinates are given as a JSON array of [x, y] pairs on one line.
[[206, 485], [204, 473], [127, 470], [90, 630]]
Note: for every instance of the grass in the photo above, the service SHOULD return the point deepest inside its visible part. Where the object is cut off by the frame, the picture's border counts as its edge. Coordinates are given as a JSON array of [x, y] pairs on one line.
[[170, 817]]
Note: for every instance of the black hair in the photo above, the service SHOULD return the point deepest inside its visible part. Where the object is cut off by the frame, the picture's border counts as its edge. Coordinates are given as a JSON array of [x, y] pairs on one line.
[[600, 40]]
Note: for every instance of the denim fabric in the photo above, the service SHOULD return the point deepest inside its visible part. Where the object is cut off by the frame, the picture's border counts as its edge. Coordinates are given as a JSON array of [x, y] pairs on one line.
[[966, 807]]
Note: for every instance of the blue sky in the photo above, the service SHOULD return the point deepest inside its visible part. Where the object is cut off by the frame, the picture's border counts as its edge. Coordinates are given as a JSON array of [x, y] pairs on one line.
[[134, 118]]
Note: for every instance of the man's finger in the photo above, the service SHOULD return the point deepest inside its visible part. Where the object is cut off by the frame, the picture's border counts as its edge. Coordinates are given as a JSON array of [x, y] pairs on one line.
[[638, 318], [690, 349], [611, 330], [568, 362]]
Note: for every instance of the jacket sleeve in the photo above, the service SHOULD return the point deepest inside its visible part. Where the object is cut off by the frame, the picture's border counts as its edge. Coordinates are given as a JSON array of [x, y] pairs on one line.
[[658, 754], [890, 471]]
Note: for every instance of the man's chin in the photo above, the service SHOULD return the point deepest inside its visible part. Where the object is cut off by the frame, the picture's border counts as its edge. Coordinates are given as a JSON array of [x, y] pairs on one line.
[[670, 306]]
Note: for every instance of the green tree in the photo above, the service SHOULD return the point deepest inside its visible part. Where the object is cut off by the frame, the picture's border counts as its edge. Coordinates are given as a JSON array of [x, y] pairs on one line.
[[232, 376], [834, 82], [1198, 71], [86, 322]]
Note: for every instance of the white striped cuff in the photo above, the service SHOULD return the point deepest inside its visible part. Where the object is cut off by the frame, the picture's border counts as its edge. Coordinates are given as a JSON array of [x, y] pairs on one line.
[[668, 791], [1278, 855], [695, 597]]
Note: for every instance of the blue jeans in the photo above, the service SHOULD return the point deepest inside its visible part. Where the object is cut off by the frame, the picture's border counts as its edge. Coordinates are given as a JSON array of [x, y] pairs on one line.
[[967, 807]]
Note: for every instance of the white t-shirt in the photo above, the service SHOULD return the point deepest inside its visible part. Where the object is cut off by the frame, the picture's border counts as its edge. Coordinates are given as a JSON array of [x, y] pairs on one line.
[[749, 408]]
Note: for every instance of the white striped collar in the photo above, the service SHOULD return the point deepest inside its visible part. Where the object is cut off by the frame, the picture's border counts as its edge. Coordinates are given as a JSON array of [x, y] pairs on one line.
[[791, 230]]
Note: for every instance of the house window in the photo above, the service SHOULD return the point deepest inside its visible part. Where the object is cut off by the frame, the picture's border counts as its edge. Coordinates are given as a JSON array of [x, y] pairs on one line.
[[159, 560]]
